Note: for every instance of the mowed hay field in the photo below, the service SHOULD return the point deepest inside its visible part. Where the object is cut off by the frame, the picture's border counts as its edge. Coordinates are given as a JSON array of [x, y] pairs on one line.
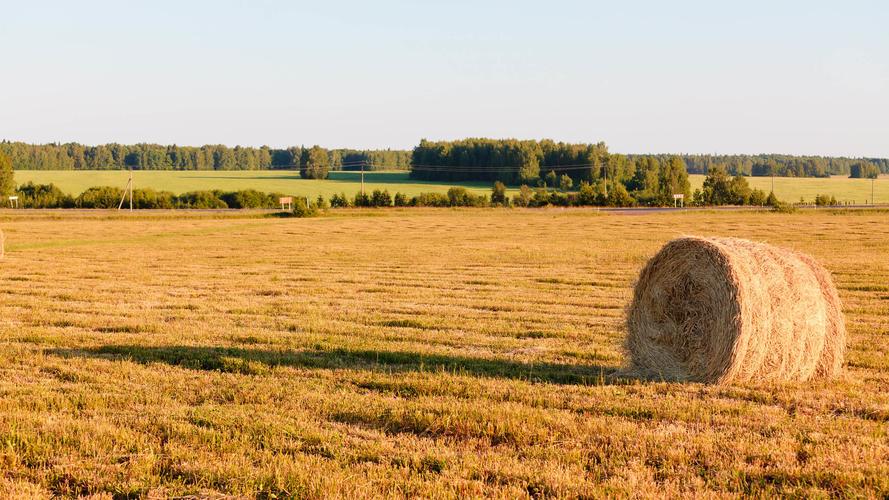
[[433, 353]]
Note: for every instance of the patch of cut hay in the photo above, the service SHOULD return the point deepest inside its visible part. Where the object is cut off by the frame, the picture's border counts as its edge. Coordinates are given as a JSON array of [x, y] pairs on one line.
[[721, 310]]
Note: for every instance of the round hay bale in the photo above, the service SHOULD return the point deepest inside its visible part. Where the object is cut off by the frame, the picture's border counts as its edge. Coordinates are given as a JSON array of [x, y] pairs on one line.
[[720, 310]]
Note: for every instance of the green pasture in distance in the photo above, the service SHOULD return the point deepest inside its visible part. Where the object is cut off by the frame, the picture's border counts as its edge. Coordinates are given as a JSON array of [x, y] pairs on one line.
[[789, 189], [278, 181]]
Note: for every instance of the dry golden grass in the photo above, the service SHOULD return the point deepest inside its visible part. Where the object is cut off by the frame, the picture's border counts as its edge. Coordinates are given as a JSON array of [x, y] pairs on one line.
[[434, 353]]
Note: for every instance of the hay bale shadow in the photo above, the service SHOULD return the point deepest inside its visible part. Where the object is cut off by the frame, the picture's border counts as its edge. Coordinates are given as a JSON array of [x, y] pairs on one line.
[[259, 361]]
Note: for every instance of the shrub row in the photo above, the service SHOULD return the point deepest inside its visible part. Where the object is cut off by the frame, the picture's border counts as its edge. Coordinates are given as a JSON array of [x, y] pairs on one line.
[[597, 194], [732, 191], [461, 197], [455, 197], [823, 200], [50, 196]]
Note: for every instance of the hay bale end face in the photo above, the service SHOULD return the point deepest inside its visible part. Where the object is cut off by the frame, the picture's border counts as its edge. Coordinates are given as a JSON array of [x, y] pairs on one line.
[[720, 310]]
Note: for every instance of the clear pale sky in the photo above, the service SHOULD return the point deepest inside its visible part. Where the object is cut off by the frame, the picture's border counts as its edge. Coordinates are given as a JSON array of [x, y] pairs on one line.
[[801, 77]]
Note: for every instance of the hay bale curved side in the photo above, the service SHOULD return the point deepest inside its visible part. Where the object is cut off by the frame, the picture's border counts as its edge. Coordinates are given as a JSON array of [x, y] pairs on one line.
[[719, 310], [831, 362]]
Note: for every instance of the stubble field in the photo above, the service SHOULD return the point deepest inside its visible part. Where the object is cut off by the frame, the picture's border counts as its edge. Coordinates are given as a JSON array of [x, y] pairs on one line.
[[433, 353]]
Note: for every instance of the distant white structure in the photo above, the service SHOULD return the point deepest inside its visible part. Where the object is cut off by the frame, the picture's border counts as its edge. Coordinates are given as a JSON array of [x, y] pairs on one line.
[[13, 202], [679, 200]]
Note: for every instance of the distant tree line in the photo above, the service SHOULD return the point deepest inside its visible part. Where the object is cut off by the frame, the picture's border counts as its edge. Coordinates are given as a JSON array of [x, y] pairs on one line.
[[779, 165], [74, 156], [527, 161], [864, 170], [379, 159], [510, 161], [647, 180]]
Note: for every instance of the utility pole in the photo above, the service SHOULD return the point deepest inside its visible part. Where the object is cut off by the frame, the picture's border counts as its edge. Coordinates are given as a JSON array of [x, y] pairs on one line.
[[362, 176], [128, 190], [873, 201], [606, 180]]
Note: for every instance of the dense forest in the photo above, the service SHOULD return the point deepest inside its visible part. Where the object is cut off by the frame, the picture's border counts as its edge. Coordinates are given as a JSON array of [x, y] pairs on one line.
[[780, 165], [647, 180], [516, 161], [511, 161], [73, 156], [379, 159]]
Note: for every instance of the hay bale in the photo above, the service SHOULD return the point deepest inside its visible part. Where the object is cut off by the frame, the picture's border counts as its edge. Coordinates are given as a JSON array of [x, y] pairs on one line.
[[721, 310]]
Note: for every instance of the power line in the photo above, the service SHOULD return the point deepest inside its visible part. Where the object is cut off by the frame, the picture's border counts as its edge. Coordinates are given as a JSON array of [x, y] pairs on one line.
[[485, 169], [458, 168], [577, 165]]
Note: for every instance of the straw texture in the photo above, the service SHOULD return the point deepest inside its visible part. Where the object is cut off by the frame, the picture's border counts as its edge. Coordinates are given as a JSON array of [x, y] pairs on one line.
[[721, 310]]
